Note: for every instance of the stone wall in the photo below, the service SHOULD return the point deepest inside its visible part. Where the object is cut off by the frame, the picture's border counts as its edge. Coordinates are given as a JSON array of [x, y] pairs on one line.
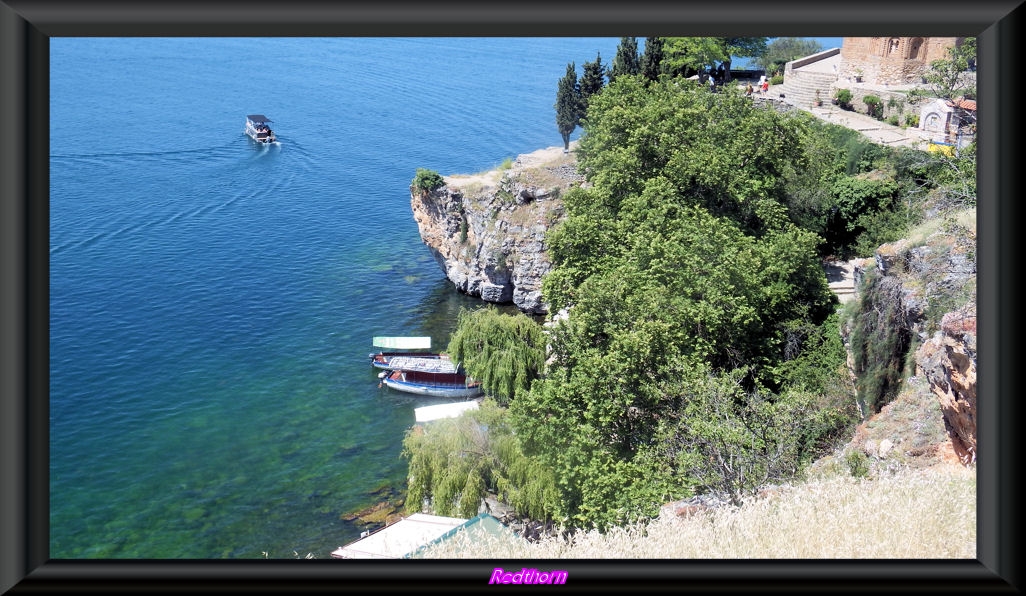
[[891, 60], [901, 108]]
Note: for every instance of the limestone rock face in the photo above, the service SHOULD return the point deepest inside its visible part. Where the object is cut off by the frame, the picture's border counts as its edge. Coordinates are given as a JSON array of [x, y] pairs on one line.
[[487, 231], [948, 361]]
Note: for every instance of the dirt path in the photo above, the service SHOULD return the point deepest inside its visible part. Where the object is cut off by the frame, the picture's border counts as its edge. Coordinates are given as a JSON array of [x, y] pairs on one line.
[[490, 178]]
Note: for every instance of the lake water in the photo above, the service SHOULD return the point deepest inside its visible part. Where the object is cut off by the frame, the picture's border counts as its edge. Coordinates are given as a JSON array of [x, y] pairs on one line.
[[213, 301]]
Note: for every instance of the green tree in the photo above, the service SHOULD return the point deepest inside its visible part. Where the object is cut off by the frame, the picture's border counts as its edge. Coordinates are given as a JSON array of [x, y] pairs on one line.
[[652, 58], [592, 81], [627, 61], [742, 47], [785, 49], [730, 440], [954, 76], [425, 181], [504, 352], [680, 257], [685, 56], [568, 104], [454, 462]]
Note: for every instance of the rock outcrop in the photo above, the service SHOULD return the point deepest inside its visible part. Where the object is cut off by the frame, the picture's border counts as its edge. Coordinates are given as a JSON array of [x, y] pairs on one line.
[[948, 362], [914, 276], [487, 231]]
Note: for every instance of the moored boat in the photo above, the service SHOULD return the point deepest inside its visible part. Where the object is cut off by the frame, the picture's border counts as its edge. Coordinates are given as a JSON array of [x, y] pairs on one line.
[[434, 377], [431, 384], [258, 129]]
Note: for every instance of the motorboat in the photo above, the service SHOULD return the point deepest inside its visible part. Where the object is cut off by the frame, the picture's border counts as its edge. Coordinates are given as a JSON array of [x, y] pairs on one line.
[[259, 130]]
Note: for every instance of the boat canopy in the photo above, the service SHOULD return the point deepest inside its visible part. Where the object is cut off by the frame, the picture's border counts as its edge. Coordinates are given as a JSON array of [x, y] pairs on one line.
[[402, 343], [428, 365], [258, 118]]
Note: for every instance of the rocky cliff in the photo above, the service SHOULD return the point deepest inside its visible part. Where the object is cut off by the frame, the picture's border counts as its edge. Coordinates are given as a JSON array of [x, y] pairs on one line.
[[487, 231], [932, 282]]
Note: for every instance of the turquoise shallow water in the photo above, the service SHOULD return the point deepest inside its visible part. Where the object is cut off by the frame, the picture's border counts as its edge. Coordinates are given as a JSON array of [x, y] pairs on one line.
[[213, 302]]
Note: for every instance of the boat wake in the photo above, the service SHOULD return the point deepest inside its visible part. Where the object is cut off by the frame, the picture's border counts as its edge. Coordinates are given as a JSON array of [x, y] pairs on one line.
[[195, 201]]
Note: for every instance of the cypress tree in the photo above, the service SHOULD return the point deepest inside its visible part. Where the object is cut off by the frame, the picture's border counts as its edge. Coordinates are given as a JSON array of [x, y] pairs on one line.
[[652, 58], [592, 81], [568, 104], [626, 60]]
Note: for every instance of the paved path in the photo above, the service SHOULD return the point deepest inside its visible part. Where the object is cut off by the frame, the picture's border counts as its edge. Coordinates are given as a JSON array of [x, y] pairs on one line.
[[877, 131]]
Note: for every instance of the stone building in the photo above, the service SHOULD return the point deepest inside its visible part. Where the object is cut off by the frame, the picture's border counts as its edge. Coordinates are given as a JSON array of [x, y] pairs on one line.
[[884, 67], [891, 60]]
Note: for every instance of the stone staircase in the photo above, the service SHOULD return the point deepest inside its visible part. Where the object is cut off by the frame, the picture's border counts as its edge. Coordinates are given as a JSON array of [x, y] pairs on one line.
[[841, 279], [800, 87]]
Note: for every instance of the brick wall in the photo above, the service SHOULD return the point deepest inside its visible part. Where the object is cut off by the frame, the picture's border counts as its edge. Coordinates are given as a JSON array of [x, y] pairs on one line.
[[891, 60]]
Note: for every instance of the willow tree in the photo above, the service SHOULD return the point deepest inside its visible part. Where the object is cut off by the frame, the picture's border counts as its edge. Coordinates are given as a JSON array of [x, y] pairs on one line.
[[504, 352], [454, 463]]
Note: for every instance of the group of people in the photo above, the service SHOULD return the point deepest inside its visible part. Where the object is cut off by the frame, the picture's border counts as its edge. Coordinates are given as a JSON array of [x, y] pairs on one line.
[[763, 86]]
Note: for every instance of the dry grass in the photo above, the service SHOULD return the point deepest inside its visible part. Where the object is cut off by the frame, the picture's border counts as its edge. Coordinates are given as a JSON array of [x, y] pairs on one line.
[[918, 236], [913, 514]]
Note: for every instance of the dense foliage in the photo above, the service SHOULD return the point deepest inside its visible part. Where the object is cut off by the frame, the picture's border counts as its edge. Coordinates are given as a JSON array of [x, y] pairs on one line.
[[454, 462], [700, 349], [592, 80], [627, 61], [683, 273], [504, 352]]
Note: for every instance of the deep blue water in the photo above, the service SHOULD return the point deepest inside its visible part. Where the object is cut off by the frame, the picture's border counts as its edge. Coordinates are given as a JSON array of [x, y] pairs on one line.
[[213, 302]]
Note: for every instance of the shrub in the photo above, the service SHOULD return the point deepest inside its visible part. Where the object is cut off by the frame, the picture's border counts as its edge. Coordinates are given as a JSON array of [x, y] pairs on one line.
[[843, 97], [858, 463], [893, 120], [777, 80], [874, 107], [912, 120], [427, 180]]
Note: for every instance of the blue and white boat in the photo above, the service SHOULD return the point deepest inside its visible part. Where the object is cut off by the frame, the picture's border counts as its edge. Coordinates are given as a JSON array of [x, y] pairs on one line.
[[433, 377]]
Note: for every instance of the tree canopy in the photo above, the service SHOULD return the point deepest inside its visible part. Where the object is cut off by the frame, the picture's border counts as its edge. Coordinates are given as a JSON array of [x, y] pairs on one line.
[[504, 352], [785, 49], [681, 271], [592, 81]]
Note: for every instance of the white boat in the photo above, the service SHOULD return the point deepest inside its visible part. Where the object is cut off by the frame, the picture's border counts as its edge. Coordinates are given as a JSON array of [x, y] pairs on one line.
[[258, 129]]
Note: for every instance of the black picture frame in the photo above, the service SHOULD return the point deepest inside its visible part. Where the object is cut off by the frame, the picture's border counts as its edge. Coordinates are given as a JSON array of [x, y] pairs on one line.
[[25, 29]]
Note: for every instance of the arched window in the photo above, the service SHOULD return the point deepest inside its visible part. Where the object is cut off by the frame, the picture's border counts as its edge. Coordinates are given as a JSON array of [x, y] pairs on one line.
[[892, 46], [914, 48]]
